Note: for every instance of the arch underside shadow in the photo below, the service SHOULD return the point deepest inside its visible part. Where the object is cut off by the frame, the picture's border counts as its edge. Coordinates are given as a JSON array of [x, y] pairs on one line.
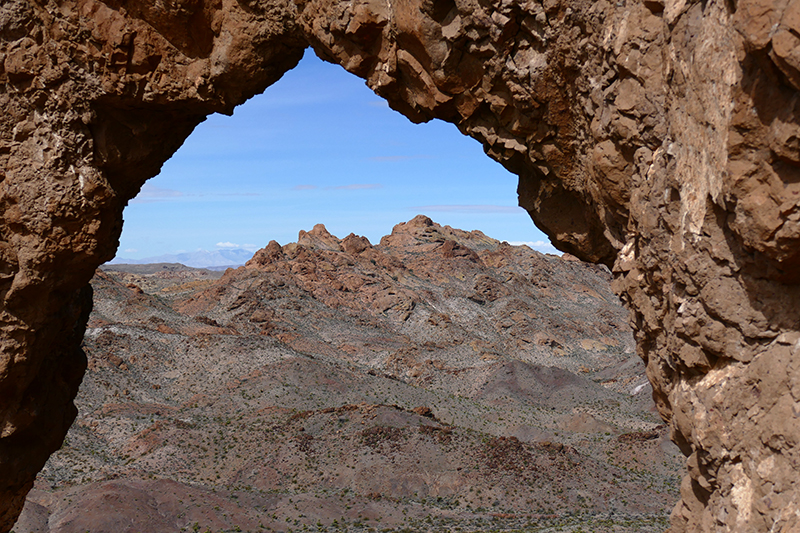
[[659, 138]]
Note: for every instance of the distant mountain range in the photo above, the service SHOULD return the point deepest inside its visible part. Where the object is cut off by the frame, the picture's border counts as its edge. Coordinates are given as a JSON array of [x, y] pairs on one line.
[[215, 259]]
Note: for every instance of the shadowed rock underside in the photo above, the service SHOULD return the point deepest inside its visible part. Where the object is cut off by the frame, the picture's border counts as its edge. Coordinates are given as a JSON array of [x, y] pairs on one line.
[[659, 137]]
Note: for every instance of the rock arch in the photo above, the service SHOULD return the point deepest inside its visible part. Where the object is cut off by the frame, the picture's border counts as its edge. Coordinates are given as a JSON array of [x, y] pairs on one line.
[[659, 137]]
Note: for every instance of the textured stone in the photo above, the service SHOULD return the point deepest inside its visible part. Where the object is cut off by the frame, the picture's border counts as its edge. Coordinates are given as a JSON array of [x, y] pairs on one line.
[[659, 138], [95, 98]]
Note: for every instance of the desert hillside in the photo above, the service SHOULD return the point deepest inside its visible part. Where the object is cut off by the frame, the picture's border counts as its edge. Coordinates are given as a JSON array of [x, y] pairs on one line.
[[437, 380]]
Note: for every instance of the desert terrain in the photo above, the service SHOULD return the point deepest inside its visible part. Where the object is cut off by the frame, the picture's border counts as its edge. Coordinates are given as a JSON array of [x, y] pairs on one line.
[[439, 380]]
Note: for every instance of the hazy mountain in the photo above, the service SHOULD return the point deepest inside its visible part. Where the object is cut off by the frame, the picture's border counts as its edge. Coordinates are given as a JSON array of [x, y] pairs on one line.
[[199, 259]]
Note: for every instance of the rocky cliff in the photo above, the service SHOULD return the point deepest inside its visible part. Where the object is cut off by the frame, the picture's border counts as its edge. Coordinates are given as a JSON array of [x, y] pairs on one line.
[[659, 137]]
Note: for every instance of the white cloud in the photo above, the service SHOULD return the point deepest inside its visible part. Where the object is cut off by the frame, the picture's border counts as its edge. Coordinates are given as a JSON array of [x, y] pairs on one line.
[[130, 250], [304, 187], [151, 193], [234, 246], [225, 194], [530, 244], [540, 246]]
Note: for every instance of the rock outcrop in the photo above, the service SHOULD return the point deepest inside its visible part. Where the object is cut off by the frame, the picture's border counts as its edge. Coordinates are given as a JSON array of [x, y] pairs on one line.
[[659, 137]]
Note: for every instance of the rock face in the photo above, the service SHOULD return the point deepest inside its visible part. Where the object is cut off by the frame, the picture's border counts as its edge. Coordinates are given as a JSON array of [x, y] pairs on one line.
[[95, 96], [658, 137]]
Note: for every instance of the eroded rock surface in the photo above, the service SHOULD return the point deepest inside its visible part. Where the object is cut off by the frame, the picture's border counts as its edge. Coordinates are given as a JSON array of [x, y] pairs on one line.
[[659, 137], [95, 96]]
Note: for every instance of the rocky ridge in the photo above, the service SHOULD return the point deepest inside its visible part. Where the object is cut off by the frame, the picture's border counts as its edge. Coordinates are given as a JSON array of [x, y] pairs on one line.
[[439, 379]]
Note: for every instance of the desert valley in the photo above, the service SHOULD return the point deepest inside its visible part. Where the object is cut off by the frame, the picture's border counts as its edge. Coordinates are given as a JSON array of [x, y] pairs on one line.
[[438, 381]]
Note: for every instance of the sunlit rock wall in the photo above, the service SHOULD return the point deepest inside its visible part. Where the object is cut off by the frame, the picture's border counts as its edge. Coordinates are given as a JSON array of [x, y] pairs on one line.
[[662, 139]]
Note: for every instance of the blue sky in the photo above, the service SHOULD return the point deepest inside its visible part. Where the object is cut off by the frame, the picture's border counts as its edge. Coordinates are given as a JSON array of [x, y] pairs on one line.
[[319, 147]]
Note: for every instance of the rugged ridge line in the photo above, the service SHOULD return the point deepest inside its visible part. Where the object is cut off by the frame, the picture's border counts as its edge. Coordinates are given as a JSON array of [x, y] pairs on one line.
[[658, 137]]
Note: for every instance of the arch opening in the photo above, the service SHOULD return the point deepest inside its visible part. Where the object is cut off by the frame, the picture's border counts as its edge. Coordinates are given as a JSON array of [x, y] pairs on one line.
[[317, 147], [149, 380]]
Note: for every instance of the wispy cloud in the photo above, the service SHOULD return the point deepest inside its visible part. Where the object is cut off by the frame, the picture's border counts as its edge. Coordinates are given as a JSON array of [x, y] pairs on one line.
[[539, 246], [396, 158], [151, 193], [357, 186], [348, 187], [227, 245], [465, 209], [378, 103], [130, 250]]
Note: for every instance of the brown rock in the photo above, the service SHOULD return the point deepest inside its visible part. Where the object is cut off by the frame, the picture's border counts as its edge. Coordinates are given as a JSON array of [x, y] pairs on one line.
[[355, 244], [319, 238], [423, 411], [264, 256], [451, 249]]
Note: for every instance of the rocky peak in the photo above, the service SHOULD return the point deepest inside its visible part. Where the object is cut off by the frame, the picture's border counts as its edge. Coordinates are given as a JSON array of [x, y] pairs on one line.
[[319, 238], [272, 252], [419, 221], [422, 231], [355, 244], [418, 279]]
